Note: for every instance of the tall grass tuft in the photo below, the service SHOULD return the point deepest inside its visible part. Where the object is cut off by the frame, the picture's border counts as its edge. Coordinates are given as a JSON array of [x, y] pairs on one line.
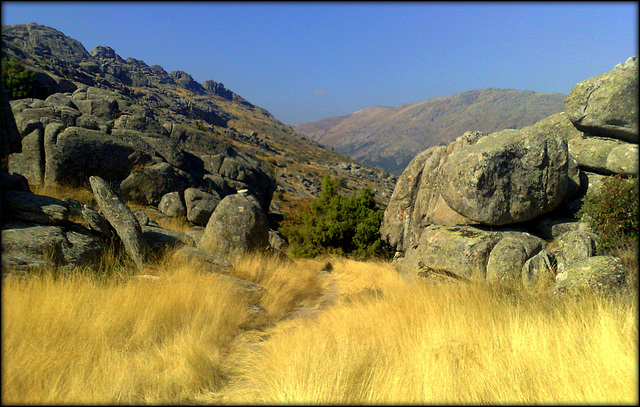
[[81, 339]]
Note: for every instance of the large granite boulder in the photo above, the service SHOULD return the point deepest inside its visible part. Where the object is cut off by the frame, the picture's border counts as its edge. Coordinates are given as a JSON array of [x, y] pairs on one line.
[[77, 153], [171, 204], [33, 208], [607, 104], [461, 250], [200, 205], [574, 246], [605, 155], [508, 177], [30, 162], [509, 255], [404, 217], [237, 225]]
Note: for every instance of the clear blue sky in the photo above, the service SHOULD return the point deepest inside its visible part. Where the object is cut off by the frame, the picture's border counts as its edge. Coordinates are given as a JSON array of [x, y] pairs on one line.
[[307, 61]]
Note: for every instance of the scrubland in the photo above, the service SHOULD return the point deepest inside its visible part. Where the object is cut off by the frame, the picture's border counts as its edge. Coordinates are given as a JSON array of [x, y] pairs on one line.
[[359, 334]]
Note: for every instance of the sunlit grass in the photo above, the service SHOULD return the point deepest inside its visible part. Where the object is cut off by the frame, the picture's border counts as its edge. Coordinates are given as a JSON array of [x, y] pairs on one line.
[[458, 344], [82, 195], [360, 334], [78, 339]]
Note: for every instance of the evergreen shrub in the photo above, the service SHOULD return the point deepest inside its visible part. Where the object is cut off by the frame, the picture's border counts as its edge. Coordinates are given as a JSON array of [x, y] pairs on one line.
[[19, 82], [336, 224], [612, 212]]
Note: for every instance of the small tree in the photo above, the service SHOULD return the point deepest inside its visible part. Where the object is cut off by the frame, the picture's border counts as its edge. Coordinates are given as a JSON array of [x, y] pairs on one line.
[[335, 224], [18, 81]]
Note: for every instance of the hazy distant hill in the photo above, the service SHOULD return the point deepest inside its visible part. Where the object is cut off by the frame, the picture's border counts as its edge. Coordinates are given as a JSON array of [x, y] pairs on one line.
[[389, 137]]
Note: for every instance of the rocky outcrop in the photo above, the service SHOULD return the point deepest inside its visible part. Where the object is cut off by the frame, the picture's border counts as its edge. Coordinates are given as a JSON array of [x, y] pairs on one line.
[[27, 246], [37, 232], [596, 273], [487, 206], [28, 207], [148, 185]]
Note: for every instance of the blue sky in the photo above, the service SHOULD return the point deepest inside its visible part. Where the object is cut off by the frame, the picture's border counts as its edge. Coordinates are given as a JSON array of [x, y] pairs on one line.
[[311, 60]]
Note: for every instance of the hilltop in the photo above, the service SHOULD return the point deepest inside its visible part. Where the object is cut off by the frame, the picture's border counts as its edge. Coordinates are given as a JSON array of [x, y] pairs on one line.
[[389, 137], [62, 64]]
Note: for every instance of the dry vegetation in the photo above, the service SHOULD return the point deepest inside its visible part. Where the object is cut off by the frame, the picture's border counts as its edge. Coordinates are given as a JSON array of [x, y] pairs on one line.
[[360, 334]]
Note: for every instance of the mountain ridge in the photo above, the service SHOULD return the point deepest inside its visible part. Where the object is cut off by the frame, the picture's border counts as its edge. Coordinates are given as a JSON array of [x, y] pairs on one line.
[[389, 137]]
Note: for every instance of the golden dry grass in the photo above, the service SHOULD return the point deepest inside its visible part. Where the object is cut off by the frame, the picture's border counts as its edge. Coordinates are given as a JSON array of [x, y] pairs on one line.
[[359, 335], [82, 195], [390, 342]]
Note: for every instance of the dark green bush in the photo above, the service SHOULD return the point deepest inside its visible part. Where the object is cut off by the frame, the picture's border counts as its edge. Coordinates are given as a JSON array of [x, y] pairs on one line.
[[336, 224], [18, 81], [613, 212]]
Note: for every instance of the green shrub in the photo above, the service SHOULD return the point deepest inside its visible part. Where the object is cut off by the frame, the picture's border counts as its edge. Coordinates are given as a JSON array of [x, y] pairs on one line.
[[613, 212], [19, 82], [336, 224]]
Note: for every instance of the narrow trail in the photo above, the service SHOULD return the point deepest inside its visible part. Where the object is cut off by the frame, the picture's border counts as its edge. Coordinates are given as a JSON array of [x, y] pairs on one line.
[[330, 296]]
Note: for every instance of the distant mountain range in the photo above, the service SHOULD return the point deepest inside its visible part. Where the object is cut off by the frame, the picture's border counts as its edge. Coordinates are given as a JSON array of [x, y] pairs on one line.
[[389, 137]]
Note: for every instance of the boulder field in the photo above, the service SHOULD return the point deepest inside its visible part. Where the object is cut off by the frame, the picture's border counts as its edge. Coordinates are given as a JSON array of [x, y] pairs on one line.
[[494, 207]]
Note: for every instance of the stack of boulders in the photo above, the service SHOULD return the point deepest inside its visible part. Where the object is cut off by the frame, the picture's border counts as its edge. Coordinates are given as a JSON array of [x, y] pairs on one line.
[[501, 207]]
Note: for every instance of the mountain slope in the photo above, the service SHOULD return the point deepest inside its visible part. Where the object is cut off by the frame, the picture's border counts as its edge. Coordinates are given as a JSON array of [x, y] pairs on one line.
[[389, 137], [64, 65]]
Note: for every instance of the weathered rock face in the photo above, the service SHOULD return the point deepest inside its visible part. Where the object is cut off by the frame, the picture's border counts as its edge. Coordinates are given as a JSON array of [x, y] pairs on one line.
[[30, 162], [11, 141], [237, 225], [171, 204], [605, 155], [403, 217], [27, 246], [76, 154], [200, 205], [607, 104], [32, 208], [487, 206]]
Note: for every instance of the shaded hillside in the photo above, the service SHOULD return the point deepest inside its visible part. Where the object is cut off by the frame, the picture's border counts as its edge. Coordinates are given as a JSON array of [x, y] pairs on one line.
[[389, 137], [64, 65]]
